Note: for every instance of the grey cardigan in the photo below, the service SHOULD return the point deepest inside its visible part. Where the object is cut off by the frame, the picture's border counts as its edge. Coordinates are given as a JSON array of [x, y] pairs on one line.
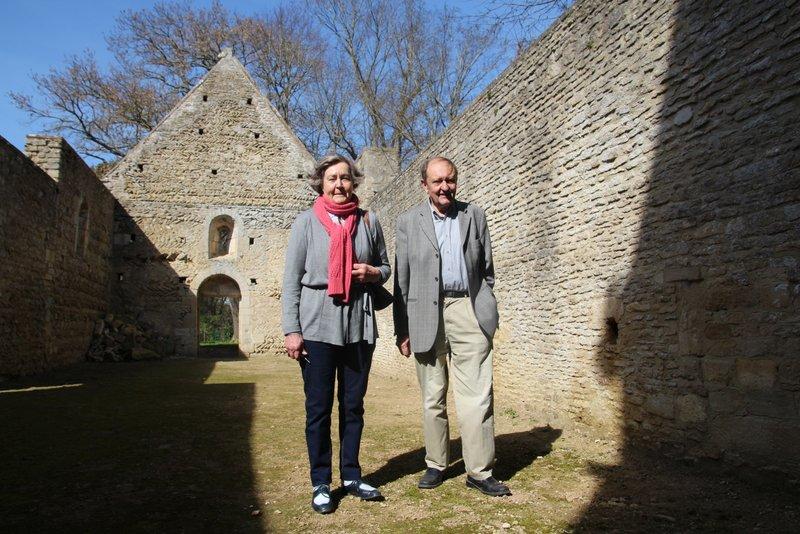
[[307, 308]]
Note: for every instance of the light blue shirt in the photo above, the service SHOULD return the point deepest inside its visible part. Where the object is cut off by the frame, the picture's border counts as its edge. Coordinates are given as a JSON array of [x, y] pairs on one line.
[[448, 236]]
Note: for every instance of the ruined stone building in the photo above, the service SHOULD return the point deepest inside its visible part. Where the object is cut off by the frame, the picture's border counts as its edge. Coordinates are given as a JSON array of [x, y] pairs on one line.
[[205, 203], [640, 169]]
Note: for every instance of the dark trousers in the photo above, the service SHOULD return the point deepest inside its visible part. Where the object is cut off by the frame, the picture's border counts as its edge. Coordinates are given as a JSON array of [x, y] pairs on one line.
[[326, 364]]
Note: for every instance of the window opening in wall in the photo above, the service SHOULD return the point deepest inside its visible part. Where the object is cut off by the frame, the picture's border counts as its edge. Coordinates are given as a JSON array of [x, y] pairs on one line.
[[214, 172], [120, 276], [256, 135], [140, 167], [205, 98], [252, 240], [200, 131], [82, 228], [133, 237], [612, 331], [253, 281], [182, 279], [221, 237], [299, 176], [249, 101]]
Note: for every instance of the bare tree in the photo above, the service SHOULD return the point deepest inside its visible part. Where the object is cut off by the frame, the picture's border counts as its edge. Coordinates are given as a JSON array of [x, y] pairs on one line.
[[343, 73], [524, 19], [159, 55], [104, 114], [413, 68], [284, 52]]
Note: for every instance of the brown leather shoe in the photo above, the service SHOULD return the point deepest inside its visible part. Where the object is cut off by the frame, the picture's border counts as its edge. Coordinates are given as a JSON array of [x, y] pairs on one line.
[[490, 486]]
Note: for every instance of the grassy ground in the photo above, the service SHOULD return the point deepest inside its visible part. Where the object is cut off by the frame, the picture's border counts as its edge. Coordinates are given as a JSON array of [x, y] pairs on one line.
[[217, 446]]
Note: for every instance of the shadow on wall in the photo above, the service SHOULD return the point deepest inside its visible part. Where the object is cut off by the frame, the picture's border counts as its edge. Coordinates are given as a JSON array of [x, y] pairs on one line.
[[153, 288], [703, 331], [144, 447]]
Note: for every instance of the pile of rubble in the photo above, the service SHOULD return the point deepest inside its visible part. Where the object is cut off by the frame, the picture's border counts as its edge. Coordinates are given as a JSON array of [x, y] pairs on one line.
[[118, 340]]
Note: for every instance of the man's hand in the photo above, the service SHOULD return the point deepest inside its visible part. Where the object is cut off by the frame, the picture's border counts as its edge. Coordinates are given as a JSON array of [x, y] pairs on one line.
[[294, 345], [404, 345], [365, 273]]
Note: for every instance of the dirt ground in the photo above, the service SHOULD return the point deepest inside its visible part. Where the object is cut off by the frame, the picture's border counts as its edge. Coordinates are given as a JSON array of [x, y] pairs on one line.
[[205, 446]]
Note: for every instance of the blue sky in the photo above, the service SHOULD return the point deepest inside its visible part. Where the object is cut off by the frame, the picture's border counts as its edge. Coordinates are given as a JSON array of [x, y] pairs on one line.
[[36, 35]]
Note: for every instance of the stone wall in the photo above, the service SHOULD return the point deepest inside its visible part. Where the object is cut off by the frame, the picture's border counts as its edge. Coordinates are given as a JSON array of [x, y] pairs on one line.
[[223, 152], [639, 169], [55, 240]]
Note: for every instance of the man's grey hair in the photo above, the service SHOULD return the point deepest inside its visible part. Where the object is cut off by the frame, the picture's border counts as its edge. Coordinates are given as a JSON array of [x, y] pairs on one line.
[[315, 180], [423, 170]]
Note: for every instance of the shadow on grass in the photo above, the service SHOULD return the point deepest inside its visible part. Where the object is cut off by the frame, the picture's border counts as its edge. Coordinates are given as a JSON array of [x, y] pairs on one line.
[[514, 451], [128, 447]]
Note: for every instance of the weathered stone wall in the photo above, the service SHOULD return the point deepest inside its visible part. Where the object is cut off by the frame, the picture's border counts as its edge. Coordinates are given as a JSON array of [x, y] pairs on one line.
[[223, 151], [639, 169], [55, 241], [380, 167]]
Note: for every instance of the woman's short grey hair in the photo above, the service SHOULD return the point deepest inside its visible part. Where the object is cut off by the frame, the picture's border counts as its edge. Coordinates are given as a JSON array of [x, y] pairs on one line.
[[315, 180]]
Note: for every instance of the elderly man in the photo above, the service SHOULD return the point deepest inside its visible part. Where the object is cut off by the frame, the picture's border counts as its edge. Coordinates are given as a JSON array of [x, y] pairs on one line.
[[445, 312]]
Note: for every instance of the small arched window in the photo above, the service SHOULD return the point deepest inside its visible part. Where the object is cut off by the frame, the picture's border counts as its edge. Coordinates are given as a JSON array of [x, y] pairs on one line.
[[221, 237], [82, 228]]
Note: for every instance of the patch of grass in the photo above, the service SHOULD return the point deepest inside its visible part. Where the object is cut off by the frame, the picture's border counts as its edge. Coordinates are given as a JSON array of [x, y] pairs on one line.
[[511, 413]]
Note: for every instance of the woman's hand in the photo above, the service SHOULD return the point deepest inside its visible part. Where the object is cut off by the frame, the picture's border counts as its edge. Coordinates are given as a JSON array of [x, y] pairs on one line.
[[365, 273], [294, 345]]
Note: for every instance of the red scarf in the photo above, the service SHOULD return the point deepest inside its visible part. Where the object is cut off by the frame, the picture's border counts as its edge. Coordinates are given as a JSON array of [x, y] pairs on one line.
[[340, 251]]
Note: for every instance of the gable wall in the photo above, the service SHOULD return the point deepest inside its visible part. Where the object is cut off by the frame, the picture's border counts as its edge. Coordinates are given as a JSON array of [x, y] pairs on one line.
[[169, 204]]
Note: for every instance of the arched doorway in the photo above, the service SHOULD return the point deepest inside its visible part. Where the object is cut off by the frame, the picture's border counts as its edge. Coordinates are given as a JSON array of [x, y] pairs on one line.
[[218, 301]]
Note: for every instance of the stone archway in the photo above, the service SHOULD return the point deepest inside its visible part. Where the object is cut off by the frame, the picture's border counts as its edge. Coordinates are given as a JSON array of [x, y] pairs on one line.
[[218, 317]]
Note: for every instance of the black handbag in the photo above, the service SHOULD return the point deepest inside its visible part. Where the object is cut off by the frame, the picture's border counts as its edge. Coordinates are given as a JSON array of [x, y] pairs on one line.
[[381, 297]]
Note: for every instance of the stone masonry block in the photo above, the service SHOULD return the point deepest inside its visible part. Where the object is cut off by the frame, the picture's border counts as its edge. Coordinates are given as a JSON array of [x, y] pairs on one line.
[[755, 373], [717, 372], [682, 274], [690, 409], [661, 405]]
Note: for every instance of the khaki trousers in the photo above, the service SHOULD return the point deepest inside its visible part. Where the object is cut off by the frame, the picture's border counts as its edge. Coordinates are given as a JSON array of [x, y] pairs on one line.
[[463, 350]]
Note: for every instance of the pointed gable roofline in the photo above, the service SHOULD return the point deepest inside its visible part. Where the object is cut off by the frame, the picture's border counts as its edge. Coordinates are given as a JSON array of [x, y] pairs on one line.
[[226, 58]]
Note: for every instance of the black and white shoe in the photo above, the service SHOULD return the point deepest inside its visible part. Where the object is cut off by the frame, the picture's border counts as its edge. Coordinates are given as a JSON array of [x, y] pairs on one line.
[[362, 490], [321, 501]]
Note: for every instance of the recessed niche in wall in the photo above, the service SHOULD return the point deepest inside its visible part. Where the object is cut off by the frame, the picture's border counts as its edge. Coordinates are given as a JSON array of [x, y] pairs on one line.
[[612, 331], [133, 237], [120, 276], [221, 237]]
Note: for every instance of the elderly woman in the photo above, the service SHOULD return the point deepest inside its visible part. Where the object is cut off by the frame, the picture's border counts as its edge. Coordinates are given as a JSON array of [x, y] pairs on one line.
[[336, 256]]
